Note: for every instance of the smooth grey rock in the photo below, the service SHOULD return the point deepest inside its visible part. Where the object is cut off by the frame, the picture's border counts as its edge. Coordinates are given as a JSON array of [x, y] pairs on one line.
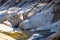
[[35, 37], [50, 27], [38, 20], [3, 16]]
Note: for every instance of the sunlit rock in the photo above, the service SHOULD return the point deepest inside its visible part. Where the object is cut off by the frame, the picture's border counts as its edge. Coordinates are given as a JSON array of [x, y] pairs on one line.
[[5, 37], [5, 28], [41, 4], [7, 23], [25, 12], [13, 10]]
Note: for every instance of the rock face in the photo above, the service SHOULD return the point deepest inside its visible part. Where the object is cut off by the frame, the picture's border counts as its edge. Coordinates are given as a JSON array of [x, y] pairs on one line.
[[55, 36], [2, 1], [26, 9], [56, 13], [40, 19], [13, 17], [13, 10], [57, 1], [3, 16], [50, 27]]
